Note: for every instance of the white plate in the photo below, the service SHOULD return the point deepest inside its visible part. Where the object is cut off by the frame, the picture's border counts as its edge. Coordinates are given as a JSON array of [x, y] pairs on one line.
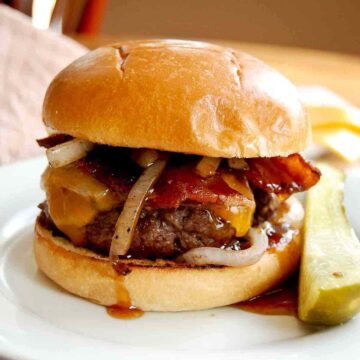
[[38, 320]]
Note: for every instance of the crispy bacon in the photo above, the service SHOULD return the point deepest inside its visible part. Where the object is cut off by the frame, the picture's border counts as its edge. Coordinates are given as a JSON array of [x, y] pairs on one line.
[[282, 175], [53, 140], [179, 185]]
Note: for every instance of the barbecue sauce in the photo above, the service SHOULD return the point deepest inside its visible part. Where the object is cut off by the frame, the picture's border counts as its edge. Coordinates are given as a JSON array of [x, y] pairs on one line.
[[281, 300], [125, 313], [123, 309]]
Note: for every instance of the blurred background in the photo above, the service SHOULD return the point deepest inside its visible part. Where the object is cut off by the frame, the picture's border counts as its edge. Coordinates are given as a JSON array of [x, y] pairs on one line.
[[315, 43], [317, 24]]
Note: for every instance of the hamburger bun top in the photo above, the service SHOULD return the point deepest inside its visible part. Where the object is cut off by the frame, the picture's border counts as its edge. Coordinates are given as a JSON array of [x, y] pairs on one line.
[[180, 96]]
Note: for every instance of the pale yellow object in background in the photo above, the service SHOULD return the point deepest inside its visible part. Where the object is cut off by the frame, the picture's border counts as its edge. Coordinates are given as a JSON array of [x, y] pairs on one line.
[[328, 110], [334, 117], [335, 122], [342, 142]]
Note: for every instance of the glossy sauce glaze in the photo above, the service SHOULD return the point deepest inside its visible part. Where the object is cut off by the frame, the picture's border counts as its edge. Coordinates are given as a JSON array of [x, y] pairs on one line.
[[281, 300], [123, 309], [124, 313]]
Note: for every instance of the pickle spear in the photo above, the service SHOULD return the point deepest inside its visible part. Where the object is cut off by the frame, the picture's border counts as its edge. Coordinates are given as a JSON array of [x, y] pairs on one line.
[[329, 292]]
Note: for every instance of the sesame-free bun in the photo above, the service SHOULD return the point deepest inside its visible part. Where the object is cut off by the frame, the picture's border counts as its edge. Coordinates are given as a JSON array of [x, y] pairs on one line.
[[159, 285], [180, 96]]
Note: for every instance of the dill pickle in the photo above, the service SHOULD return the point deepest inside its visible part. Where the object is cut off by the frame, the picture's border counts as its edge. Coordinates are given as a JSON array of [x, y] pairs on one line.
[[329, 292]]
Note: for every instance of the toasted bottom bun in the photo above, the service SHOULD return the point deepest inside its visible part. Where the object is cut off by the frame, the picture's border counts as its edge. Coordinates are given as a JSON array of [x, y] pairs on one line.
[[159, 285]]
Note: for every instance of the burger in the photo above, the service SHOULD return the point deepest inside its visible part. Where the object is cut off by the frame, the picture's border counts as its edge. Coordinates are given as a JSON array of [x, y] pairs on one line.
[[172, 172]]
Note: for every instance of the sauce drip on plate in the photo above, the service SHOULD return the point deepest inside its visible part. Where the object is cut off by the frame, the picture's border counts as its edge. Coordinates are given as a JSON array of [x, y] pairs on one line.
[[281, 300], [123, 309], [121, 312]]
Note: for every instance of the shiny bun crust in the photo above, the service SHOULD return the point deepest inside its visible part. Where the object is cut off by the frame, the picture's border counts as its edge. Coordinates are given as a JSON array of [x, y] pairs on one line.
[[160, 285], [180, 96]]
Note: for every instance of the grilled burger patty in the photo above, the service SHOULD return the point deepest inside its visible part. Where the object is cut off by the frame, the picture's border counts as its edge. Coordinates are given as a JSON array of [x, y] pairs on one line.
[[163, 233], [167, 233]]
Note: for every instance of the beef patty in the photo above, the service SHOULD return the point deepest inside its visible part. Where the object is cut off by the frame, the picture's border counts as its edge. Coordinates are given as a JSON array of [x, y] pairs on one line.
[[167, 233], [164, 233]]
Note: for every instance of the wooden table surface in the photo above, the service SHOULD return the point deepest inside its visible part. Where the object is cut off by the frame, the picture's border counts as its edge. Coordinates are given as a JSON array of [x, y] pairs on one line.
[[338, 72]]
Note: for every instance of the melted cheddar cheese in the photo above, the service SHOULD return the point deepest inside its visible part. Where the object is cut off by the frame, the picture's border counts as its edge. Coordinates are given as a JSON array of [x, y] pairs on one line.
[[239, 211], [74, 199]]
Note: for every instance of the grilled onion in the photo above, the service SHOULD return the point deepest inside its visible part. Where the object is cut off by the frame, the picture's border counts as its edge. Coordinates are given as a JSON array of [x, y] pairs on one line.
[[145, 157], [215, 256], [207, 166], [127, 221], [68, 152], [238, 163]]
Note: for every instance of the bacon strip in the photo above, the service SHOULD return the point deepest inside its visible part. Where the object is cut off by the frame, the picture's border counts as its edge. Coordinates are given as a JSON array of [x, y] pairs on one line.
[[53, 140], [282, 175], [178, 185]]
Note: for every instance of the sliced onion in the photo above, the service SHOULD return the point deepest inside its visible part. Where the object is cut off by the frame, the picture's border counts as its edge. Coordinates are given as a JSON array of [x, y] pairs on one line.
[[207, 166], [126, 223], [68, 152], [215, 256], [145, 157], [238, 163]]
